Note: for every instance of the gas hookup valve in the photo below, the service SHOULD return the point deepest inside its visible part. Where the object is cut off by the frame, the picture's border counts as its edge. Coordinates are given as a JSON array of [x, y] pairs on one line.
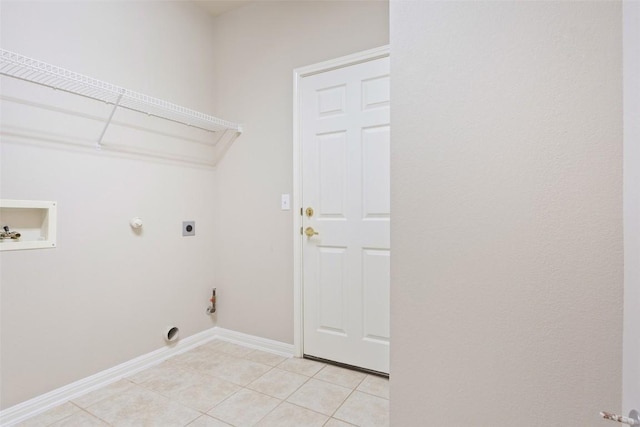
[[212, 307]]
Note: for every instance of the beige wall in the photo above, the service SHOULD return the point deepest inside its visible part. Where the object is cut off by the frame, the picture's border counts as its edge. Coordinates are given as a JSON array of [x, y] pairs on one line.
[[105, 295], [256, 49], [105, 292], [507, 209]]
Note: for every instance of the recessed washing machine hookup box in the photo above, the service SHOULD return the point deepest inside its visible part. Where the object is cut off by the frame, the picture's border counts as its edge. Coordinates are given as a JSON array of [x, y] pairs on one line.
[[27, 224]]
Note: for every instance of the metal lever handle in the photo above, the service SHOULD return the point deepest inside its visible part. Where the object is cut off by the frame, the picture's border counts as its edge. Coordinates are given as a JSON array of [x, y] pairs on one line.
[[309, 231], [619, 418]]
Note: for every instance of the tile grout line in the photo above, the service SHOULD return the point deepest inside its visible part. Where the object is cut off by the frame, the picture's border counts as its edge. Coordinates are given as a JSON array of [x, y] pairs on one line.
[[347, 398], [80, 409], [281, 400], [241, 387], [371, 394], [339, 385], [342, 404], [94, 415], [342, 421], [365, 392], [244, 388], [64, 418], [201, 374], [231, 395], [326, 382], [265, 415], [290, 394], [309, 409]]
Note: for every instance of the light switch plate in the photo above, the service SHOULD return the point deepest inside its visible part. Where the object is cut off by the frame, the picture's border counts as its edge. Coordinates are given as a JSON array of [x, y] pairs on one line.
[[285, 202], [188, 228]]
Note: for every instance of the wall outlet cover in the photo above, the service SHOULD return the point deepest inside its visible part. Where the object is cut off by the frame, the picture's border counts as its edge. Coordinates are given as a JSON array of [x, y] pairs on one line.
[[188, 228]]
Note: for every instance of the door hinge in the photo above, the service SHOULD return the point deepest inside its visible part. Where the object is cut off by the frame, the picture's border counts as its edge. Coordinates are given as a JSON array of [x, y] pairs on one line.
[[301, 212], [301, 231]]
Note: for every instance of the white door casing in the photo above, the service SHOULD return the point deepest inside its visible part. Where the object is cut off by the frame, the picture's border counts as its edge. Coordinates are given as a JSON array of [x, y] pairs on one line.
[[341, 148], [631, 167]]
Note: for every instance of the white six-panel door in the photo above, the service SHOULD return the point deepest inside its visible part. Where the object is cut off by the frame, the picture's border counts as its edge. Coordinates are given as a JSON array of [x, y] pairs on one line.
[[346, 181]]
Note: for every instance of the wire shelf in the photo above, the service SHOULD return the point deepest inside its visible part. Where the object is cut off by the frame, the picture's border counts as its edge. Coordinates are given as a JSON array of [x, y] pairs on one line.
[[24, 68]]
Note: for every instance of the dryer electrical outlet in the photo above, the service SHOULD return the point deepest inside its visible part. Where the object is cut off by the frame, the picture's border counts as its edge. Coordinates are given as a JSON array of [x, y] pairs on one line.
[[188, 228]]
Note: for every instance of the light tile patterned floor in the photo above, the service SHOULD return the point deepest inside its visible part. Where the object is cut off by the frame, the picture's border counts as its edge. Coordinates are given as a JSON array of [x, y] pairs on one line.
[[222, 384]]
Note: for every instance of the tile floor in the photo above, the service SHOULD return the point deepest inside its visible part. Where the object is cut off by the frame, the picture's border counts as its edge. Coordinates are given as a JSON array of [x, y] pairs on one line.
[[222, 384]]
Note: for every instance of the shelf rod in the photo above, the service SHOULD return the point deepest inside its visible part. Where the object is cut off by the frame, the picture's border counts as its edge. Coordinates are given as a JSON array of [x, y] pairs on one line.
[[106, 126]]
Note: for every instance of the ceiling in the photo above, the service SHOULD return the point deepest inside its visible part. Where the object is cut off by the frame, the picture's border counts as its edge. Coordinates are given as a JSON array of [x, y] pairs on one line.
[[215, 7]]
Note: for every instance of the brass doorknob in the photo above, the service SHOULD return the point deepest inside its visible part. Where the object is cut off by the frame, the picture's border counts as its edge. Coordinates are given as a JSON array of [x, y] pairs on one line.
[[309, 231]]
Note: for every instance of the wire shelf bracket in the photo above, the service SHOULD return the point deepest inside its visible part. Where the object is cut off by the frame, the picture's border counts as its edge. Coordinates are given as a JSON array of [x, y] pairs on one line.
[[106, 125]]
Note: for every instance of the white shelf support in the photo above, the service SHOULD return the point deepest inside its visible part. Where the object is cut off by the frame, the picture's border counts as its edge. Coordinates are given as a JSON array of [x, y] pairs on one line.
[[106, 125]]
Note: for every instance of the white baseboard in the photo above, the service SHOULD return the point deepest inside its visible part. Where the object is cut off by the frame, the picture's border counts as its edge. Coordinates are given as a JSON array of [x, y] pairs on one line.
[[252, 341], [44, 402]]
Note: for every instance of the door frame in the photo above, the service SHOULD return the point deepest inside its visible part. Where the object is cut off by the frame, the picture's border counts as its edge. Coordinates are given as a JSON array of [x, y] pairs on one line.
[[298, 75], [631, 202]]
